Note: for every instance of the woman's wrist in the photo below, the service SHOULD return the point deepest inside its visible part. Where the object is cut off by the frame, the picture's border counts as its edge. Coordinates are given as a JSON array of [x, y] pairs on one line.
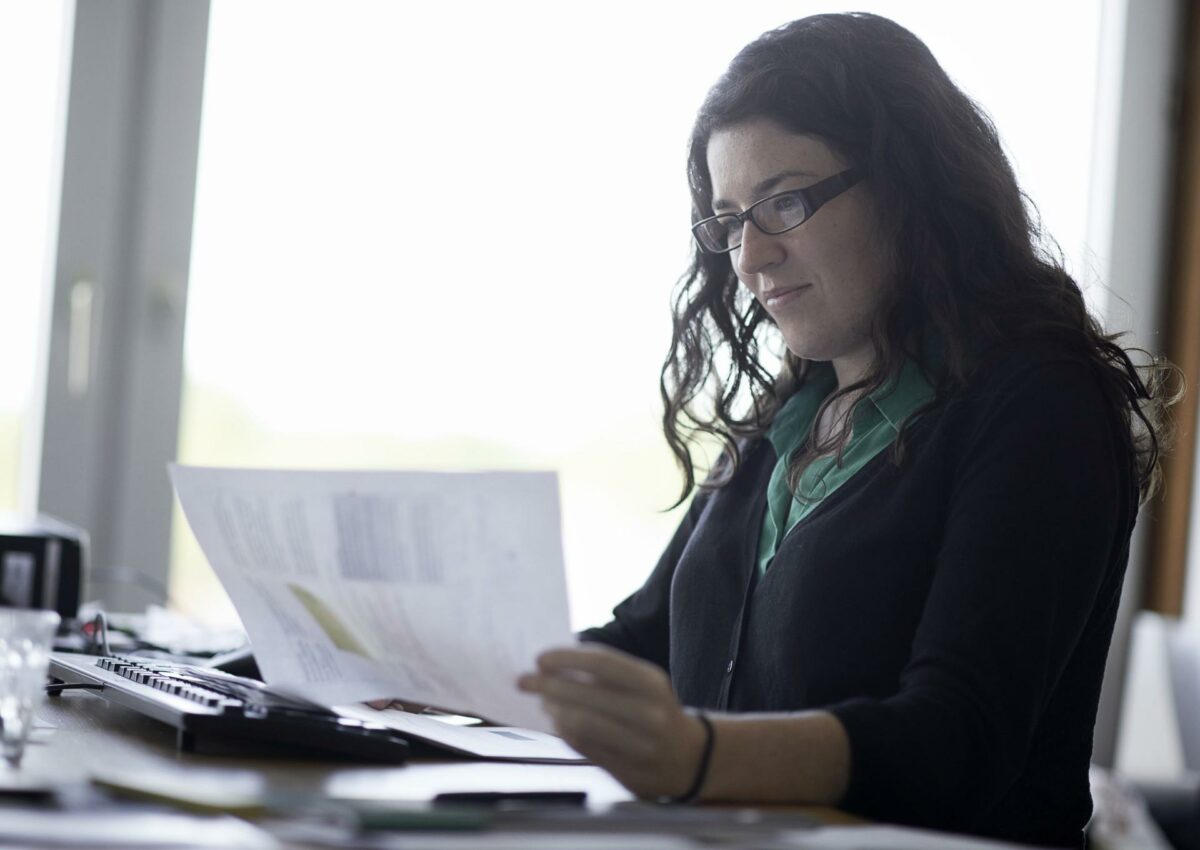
[[700, 775]]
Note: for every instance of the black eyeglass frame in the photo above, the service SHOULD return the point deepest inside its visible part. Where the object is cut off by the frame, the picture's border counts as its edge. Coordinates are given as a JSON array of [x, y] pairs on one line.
[[812, 198]]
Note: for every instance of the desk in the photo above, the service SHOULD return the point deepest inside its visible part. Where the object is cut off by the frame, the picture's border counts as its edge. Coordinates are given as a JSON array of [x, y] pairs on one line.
[[91, 734]]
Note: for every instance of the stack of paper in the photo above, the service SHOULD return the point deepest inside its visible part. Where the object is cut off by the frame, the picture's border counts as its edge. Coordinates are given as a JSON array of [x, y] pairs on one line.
[[435, 588]]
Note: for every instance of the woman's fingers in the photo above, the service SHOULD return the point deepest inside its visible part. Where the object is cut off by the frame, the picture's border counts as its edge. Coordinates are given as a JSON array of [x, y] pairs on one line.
[[622, 713], [633, 693], [650, 765], [597, 735], [605, 666], [630, 710]]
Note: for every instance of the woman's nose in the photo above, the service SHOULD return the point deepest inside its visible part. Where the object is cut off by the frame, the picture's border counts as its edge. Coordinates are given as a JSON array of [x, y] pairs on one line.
[[759, 250]]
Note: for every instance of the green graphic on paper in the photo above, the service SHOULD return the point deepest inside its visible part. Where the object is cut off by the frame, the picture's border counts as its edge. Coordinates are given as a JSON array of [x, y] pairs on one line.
[[330, 623]]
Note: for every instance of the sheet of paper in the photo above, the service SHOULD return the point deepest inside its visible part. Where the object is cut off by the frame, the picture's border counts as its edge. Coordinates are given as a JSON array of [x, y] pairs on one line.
[[490, 742], [438, 588]]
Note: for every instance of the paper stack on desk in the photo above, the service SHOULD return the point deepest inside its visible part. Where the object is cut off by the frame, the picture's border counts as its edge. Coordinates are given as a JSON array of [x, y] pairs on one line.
[[434, 588]]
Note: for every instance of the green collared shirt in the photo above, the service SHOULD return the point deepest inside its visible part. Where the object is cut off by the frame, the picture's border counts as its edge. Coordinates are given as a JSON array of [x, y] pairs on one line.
[[876, 422]]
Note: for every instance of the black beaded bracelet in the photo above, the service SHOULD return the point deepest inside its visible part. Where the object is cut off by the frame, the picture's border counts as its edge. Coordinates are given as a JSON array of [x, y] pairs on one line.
[[702, 770]]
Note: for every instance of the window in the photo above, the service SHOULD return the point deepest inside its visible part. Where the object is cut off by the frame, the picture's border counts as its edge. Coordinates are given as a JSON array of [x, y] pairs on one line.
[[400, 258], [33, 51]]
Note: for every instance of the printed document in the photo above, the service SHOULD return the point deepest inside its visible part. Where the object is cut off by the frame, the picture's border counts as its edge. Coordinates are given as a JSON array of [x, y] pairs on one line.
[[434, 588]]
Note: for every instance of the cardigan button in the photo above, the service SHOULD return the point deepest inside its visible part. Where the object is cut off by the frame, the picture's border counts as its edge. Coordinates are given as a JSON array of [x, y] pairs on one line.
[[729, 668]]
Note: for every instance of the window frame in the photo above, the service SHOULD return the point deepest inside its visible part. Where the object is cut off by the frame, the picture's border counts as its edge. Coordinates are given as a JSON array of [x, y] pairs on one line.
[[113, 370]]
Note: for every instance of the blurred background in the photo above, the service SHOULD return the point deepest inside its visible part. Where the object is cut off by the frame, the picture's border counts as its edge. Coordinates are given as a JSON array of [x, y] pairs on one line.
[[444, 236]]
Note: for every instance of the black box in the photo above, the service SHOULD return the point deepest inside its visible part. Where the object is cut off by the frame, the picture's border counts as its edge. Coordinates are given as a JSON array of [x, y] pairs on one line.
[[42, 564]]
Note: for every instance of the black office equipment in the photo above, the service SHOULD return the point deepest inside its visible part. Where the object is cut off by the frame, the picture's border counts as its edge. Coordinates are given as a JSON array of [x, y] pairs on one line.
[[512, 798], [214, 712], [42, 564]]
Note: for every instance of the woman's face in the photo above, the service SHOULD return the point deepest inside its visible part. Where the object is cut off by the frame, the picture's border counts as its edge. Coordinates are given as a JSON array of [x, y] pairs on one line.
[[822, 282]]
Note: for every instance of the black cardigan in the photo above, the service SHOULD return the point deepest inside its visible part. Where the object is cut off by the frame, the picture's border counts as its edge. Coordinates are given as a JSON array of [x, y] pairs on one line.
[[954, 612]]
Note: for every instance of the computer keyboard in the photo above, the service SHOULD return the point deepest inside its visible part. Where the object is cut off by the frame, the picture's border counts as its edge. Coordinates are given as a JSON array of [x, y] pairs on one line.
[[215, 712]]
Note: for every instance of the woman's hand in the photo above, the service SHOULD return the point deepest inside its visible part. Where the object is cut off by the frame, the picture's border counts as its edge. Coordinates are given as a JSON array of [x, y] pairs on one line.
[[621, 713]]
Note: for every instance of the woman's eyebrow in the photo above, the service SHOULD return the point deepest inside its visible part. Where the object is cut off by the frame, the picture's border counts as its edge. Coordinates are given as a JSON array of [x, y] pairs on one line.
[[761, 188]]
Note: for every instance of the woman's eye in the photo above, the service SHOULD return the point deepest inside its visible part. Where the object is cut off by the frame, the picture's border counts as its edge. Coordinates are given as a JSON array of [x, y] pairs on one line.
[[731, 225], [785, 203]]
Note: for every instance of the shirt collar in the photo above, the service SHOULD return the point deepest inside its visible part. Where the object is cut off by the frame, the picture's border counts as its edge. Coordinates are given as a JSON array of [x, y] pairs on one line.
[[895, 401], [899, 398], [795, 418]]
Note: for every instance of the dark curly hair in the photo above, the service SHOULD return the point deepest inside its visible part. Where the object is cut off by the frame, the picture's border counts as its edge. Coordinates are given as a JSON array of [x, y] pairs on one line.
[[972, 268]]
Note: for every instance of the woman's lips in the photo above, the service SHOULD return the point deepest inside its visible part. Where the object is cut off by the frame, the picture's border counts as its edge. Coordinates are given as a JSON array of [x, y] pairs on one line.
[[780, 298]]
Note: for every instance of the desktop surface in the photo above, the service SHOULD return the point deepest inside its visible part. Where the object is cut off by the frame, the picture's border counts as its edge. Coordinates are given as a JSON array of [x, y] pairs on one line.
[[84, 737], [92, 735]]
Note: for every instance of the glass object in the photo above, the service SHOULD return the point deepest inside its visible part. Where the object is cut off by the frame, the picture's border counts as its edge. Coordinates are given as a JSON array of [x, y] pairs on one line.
[[26, 635]]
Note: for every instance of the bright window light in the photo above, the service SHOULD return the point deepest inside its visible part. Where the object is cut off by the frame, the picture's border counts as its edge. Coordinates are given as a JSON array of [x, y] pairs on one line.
[[33, 53], [445, 236]]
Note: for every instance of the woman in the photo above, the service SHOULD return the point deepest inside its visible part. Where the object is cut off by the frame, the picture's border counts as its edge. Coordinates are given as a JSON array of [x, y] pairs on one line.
[[895, 592]]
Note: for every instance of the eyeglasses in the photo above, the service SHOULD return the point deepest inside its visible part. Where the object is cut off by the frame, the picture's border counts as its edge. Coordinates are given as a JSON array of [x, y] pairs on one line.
[[773, 215]]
